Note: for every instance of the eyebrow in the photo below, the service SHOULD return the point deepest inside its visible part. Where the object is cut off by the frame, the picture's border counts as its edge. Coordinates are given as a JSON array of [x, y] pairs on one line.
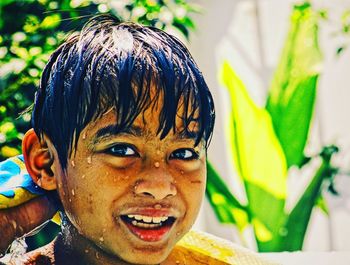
[[136, 131], [114, 129]]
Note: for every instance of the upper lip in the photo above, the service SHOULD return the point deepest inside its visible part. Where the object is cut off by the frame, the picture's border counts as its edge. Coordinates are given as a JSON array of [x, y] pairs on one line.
[[151, 211]]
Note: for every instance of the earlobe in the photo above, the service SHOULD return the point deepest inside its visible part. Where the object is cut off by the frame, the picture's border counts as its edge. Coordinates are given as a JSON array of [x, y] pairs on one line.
[[38, 160]]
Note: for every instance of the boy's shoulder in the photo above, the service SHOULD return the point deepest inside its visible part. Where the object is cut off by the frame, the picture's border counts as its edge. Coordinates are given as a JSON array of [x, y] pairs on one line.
[[194, 248]]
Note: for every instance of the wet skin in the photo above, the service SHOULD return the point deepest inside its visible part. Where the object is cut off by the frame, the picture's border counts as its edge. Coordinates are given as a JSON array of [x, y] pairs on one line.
[[113, 179]]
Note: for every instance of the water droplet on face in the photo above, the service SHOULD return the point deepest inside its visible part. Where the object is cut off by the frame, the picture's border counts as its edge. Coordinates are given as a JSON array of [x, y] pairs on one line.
[[83, 176], [178, 233], [73, 192], [115, 179], [39, 182], [84, 135], [70, 200], [89, 160], [59, 185], [156, 164], [158, 206], [101, 239], [158, 152], [182, 172], [177, 262], [104, 230], [72, 163]]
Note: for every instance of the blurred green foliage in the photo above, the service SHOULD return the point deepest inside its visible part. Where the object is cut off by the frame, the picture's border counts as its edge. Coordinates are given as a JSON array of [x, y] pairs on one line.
[[268, 143], [30, 30]]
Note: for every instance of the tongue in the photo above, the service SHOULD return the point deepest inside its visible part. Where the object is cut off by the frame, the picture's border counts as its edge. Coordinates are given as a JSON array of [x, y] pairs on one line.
[[149, 234]]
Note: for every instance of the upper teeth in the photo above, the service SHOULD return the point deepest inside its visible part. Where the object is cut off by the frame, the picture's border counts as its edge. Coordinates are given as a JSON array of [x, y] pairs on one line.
[[148, 219]]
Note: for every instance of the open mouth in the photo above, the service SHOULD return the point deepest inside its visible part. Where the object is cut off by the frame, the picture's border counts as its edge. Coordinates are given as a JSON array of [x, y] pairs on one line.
[[148, 228]]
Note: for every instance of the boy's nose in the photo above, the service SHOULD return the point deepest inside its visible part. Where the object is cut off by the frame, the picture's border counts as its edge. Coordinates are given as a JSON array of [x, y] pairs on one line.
[[158, 186]]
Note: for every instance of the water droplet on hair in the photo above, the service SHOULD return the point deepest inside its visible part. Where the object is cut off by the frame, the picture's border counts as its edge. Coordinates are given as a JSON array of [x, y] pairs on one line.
[[101, 239], [89, 159], [59, 185], [73, 192], [182, 172], [84, 135], [70, 200], [83, 176], [97, 255], [86, 251], [14, 224], [72, 163], [156, 164]]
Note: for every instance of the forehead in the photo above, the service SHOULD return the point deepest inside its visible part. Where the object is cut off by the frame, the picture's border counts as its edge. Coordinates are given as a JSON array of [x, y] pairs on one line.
[[145, 124]]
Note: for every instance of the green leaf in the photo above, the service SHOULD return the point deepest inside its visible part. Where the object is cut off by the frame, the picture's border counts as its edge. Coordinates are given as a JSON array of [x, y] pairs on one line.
[[258, 157], [293, 90], [226, 207], [298, 220], [51, 22], [322, 204]]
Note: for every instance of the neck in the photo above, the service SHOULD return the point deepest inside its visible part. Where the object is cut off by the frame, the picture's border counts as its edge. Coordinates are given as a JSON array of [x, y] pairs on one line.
[[73, 248]]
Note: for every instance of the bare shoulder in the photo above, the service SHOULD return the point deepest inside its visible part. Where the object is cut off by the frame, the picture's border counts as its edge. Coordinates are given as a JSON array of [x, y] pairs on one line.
[[40, 256]]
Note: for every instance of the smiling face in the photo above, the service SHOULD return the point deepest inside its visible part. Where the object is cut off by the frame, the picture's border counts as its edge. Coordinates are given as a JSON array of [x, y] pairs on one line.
[[133, 194]]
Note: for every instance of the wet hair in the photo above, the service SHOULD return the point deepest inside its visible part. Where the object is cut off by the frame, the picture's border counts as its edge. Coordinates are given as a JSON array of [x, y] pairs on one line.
[[123, 66]]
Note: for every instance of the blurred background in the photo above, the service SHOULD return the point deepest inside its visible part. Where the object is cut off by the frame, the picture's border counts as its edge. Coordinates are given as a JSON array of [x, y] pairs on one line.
[[279, 160]]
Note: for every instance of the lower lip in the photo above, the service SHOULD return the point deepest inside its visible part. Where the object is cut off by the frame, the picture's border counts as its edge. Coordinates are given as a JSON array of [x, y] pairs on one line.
[[149, 235]]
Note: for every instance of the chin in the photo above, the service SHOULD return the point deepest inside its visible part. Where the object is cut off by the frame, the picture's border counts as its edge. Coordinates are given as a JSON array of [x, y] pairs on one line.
[[149, 256], [148, 259]]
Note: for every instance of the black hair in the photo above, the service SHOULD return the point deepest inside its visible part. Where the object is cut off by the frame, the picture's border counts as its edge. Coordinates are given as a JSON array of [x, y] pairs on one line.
[[111, 64]]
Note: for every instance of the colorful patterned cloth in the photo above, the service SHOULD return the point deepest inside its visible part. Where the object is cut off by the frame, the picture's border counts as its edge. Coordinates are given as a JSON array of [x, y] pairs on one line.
[[16, 186]]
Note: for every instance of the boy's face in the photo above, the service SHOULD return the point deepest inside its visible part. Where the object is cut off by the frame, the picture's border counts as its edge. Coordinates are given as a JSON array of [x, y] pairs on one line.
[[132, 194]]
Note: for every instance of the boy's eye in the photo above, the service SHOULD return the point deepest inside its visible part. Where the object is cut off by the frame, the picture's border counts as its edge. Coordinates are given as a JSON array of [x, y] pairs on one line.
[[122, 150], [184, 154]]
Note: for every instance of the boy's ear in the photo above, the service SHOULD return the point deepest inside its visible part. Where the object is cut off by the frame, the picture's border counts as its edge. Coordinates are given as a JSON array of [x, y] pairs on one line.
[[38, 160]]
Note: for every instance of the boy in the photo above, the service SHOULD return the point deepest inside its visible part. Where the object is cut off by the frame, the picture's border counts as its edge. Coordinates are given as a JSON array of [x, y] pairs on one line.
[[121, 120], [121, 124]]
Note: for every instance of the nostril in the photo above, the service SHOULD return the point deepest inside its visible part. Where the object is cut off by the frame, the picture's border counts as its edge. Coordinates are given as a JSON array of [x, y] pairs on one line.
[[154, 189], [147, 194]]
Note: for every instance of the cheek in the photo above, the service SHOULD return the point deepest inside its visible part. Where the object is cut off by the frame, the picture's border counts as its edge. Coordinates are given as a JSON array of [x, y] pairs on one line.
[[193, 187]]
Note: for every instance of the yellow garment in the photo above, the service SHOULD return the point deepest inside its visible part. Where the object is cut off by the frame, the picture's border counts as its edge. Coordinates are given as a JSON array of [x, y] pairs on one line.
[[202, 248]]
